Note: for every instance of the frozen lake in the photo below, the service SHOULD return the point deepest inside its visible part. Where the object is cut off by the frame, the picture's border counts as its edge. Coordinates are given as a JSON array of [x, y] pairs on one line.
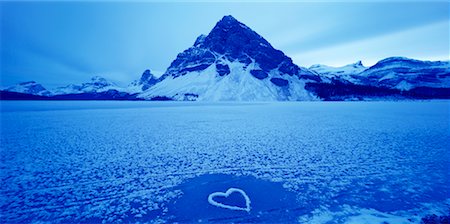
[[312, 162]]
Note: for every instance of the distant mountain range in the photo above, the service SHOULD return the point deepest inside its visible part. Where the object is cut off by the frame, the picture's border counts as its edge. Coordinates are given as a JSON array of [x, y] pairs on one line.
[[234, 63]]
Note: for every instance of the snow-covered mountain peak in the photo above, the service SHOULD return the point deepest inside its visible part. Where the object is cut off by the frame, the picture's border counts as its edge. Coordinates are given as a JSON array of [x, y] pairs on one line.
[[95, 84], [29, 87], [232, 62], [332, 72], [100, 81]]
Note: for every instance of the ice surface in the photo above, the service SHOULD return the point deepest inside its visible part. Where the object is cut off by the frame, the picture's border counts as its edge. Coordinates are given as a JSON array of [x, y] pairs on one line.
[[214, 197], [269, 200], [126, 161]]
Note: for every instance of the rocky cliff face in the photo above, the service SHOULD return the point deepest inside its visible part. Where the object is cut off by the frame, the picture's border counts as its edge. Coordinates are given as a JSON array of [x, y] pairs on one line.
[[146, 81], [235, 63], [232, 41]]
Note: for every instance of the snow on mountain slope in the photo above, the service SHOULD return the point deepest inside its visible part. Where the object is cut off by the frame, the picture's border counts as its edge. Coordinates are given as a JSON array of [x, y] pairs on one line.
[[405, 74], [96, 87], [30, 87], [97, 84], [329, 71], [69, 89], [239, 85], [394, 72], [347, 72], [232, 63]]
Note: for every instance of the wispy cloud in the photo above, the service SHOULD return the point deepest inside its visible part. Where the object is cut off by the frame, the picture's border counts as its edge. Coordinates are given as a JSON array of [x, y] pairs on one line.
[[428, 42]]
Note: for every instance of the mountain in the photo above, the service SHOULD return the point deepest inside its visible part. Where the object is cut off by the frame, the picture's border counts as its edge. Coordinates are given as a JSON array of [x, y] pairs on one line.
[[395, 73], [233, 62], [110, 94], [30, 87], [405, 74], [97, 88], [146, 81], [106, 95], [345, 72], [96, 84], [390, 78]]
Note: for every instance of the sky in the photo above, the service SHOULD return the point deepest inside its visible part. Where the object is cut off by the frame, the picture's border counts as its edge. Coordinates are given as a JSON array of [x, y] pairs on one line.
[[61, 43]]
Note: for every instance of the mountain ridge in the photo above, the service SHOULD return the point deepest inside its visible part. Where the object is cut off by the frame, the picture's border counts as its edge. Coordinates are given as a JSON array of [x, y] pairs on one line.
[[442, 90], [234, 63]]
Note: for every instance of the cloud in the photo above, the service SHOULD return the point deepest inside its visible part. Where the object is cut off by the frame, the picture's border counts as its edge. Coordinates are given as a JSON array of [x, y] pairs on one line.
[[429, 42], [326, 25]]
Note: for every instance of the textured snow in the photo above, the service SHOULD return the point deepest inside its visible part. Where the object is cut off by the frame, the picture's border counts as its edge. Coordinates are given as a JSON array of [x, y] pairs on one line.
[[355, 215], [119, 161]]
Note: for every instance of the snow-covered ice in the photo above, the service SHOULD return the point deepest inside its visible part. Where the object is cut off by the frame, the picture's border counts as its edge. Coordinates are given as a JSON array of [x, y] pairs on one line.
[[340, 162]]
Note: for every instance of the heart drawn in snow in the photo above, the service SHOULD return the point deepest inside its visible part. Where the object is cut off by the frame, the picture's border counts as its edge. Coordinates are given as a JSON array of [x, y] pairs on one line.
[[226, 194]]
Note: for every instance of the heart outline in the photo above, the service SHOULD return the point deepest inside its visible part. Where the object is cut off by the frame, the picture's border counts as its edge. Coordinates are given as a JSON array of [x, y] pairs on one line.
[[226, 194]]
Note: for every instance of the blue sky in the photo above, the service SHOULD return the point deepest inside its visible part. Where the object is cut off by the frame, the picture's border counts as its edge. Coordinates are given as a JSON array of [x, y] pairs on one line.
[[58, 43]]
